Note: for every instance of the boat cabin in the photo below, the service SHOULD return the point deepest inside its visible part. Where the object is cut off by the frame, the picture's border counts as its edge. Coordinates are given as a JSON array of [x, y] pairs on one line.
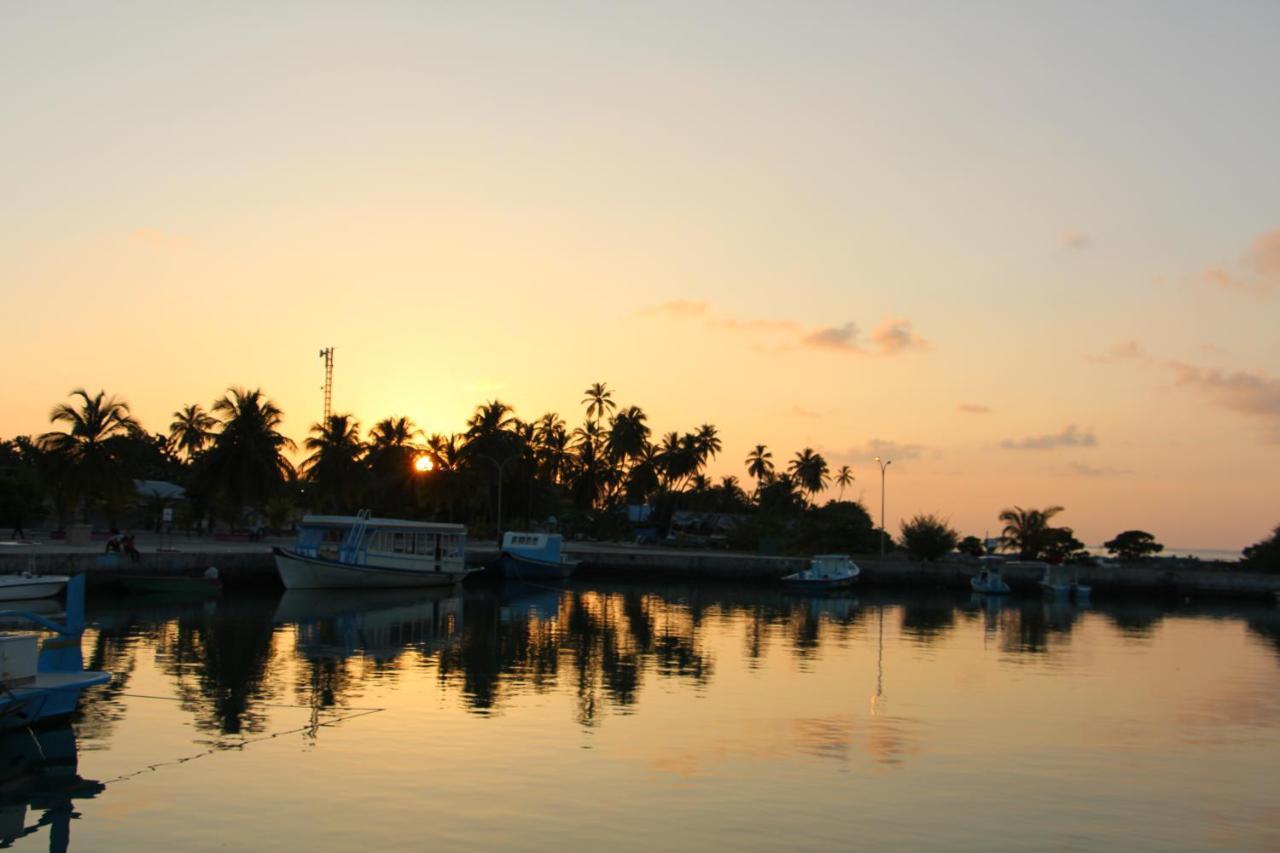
[[534, 546], [389, 542]]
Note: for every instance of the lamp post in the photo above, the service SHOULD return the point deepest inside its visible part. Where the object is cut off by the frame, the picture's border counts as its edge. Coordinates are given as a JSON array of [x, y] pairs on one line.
[[500, 468], [884, 463]]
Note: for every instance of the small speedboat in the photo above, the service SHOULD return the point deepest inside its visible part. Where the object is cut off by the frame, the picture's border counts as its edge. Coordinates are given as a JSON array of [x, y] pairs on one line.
[[1054, 583], [26, 586], [989, 582], [826, 571], [534, 555]]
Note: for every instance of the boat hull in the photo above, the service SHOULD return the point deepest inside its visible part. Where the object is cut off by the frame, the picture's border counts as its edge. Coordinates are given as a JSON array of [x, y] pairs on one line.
[[298, 572], [26, 589], [52, 695], [524, 568], [1001, 588], [819, 584], [173, 586]]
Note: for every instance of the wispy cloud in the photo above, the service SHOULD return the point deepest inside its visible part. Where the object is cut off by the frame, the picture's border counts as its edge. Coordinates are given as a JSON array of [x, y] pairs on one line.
[[1254, 394], [800, 411], [1083, 469], [892, 337], [1258, 271], [885, 449], [1123, 351], [1075, 240], [973, 409], [1069, 436]]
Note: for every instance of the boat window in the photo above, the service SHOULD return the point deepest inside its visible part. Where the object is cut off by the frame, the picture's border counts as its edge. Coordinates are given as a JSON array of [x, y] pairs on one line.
[[397, 543]]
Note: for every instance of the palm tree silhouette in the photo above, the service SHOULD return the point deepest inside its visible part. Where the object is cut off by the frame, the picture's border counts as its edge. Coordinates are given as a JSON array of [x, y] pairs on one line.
[[760, 465], [809, 470], [87, 449], [599, 400], [1028, 530], [191, 430], [334, 464], [246, 465], [843, 478]]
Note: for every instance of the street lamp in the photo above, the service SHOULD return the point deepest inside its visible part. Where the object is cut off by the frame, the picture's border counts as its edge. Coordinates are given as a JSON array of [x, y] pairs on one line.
[[884, 463], [500, 467]]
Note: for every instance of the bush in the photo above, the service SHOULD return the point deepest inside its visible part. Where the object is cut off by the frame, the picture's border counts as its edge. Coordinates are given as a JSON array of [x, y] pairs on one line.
[[1264, 556], [1133, 545], [928, 537], [972, 546]]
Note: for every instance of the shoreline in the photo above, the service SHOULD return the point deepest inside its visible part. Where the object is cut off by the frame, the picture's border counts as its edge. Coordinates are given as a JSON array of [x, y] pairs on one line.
[[252, 564]]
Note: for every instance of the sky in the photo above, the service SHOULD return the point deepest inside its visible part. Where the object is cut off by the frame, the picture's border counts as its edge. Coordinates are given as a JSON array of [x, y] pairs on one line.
[[1029, 252]]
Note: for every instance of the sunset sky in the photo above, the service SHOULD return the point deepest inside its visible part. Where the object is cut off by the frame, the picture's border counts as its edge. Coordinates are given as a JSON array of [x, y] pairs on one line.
[[1031, 254]]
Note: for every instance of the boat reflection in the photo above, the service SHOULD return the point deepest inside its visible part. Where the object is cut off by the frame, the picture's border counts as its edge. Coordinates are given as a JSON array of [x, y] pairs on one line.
[[38, 773], [379, 624]]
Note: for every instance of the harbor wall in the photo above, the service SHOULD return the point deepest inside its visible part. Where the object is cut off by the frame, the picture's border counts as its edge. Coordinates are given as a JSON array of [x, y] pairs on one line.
[[254, 565]]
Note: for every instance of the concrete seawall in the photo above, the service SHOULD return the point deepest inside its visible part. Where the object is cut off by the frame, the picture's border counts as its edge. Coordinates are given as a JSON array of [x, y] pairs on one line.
[[252, 564]]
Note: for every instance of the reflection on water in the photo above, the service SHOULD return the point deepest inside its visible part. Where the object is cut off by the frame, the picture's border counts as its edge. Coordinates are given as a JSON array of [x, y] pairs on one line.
[[39, 784], [528, 691]]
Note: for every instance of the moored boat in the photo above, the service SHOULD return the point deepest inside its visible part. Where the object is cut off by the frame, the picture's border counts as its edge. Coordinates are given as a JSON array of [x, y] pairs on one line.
[[1054, 582], [360, 552], [534, 555], [26, 586], [988, 581], [182, 586], [825, 571]]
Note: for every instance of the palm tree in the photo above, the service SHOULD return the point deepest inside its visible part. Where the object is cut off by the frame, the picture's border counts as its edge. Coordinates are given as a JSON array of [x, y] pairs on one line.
[[707, 442], [1028, 530], [246, 465], [809, 469], [334, 464], [191, 430], [843, 478], [760, 465], [599, 400], [87, 449], [491, 418], [628, 434]]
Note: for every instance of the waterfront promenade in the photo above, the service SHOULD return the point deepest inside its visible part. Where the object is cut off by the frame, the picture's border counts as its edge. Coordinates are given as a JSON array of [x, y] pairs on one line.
[[244, 562]]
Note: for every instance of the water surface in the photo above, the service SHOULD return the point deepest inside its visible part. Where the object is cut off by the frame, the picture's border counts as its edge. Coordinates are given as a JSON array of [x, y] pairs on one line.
[[638, 717]]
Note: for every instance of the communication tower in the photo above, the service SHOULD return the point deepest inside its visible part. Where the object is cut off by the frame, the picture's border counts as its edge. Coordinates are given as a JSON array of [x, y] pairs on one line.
[[327, 355]]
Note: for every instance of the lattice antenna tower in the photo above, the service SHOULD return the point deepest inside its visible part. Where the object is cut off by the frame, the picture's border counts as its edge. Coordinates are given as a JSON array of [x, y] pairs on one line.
[[327, 355]]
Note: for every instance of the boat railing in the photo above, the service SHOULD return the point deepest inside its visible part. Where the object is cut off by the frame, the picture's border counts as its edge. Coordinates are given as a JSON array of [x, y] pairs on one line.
[[354, 545], [74, 625]]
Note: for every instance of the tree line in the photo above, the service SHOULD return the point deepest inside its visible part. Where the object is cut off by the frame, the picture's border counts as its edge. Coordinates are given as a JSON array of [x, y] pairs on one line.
[[234, 463]]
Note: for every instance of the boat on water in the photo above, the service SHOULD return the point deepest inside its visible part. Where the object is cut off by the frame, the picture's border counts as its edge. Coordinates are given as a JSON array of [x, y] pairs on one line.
[[988, 581], [41, 678], [825, 571], [361, 552], [534, 555], [1063, 582], [27, 586]]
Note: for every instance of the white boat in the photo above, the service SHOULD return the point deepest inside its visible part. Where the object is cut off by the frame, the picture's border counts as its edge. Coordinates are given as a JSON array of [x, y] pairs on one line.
[[26, 586], [989, 582], [534, 556], [826, 571], [1054, 582], [359, 552]]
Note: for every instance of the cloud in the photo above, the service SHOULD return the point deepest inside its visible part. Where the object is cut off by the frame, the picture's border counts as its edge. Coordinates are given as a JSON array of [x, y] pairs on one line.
[[893, 450], [837, 337], [800, 411], [1258, 270], [1075, 240], [892, 337], [1084, 470], [1254, 394], [1123, 351], [974, 409], [1070, 436]]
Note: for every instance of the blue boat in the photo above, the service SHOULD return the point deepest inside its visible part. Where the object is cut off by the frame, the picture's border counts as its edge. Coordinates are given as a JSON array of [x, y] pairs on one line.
[[533, 556], [43, 680]]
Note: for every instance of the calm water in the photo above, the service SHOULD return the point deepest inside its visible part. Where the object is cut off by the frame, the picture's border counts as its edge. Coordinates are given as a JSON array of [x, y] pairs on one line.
[[671, 717]]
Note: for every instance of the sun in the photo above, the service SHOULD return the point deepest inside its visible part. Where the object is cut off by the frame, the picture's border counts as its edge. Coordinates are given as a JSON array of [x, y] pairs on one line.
[[423, 464]]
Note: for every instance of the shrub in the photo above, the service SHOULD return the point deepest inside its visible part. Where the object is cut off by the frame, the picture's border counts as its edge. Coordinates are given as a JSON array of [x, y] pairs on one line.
[[928, 537]]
